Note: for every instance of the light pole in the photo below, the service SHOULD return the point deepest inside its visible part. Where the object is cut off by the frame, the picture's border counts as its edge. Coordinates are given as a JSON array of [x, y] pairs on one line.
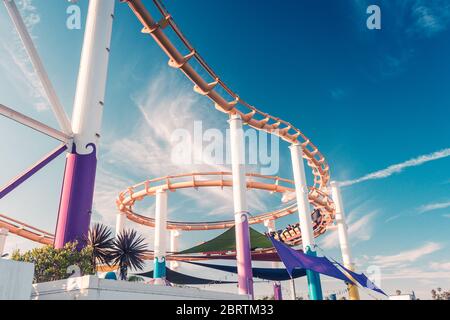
[[343, 236], [159, 270]]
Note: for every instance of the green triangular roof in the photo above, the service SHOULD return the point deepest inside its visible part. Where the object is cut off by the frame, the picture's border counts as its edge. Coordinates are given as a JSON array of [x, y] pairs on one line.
[[227, 242]]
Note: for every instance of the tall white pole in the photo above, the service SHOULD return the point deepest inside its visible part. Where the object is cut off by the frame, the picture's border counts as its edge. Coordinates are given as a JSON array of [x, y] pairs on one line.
[[343, 235], [3, 235], [270, 225], [159, 271], [174, 237], [81, 163], [120, 222], [304, 213], [243, 250]]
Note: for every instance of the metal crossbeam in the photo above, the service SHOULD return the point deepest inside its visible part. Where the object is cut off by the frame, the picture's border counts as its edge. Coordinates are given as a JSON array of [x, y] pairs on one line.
[[55, 103], [34, 124]]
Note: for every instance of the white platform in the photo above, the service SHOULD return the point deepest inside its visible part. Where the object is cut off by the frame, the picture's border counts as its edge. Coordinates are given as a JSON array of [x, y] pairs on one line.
[[16, 280], [93, 288]]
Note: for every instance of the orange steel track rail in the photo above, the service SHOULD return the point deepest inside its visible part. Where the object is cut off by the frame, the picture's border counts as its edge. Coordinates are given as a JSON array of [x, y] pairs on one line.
[[138, 192], [25, 231]]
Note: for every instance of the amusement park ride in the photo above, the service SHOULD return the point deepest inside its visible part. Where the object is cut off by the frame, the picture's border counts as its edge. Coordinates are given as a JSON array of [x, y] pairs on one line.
[[80, 137]]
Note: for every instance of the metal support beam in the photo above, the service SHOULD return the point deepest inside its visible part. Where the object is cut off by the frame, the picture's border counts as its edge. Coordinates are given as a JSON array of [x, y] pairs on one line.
[[293, 293], [77, 193], [277, 293], [174, 241], [17, 181], [34, 124], [243, 254], [304, 213], [120, 222], [38, 66], [343, 237], [159, 270]]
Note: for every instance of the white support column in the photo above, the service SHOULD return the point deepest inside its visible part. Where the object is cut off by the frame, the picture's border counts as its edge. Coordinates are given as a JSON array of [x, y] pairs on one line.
[[174, 238], [341, 225], [343, 235], [92, 75], [304, 213], [301, 192], [3, 235], [77, 193], [159, 271], [243, 250], [120, 222]]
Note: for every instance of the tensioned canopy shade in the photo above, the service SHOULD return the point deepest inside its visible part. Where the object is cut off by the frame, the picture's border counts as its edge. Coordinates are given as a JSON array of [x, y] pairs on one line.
[[181, 278], [272, 274], [227, 242], [362, 279], [296, 259]]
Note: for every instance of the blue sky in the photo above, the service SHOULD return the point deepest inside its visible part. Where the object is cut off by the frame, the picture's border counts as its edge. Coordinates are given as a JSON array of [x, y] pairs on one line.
[[369, 99]]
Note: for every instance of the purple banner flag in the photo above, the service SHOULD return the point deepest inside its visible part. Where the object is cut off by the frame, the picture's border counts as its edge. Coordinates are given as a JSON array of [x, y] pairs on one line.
[[362, 279], [296, 259]]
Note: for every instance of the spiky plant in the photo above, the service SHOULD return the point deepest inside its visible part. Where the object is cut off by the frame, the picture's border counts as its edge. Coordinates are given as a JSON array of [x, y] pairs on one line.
[[128, 252], [100, 240]]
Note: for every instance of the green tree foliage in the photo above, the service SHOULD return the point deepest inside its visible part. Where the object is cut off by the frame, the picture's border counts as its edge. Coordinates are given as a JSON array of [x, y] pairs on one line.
[[440, 294], [52, 264]]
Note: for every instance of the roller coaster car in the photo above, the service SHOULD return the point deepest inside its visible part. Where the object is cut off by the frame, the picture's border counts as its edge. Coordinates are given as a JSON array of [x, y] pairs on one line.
[[292, 234]]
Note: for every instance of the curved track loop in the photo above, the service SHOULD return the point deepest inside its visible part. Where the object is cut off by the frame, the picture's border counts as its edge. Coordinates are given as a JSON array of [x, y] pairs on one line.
[[128, 198], [26, 231], [233, 103]]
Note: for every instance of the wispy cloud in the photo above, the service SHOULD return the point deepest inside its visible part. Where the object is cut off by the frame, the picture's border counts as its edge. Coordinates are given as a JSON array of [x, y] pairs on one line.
[[15, 63], [434, 206], [407, 256], [360, 228], [397, 168], [430, 17], [338, 94], [441, 266], [164, 105]]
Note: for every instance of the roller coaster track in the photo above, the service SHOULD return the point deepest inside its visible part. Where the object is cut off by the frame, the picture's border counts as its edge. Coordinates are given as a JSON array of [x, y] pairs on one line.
[[25, 231], [230, 103], [235, 104], [127, 199]]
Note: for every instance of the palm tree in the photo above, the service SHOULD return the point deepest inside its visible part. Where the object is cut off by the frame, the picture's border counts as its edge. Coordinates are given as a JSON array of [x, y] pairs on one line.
[[99, 239], [128, 252]]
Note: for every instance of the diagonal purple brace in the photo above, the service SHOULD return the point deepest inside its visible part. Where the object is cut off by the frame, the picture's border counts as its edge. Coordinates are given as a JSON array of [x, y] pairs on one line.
[[31, 171]]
